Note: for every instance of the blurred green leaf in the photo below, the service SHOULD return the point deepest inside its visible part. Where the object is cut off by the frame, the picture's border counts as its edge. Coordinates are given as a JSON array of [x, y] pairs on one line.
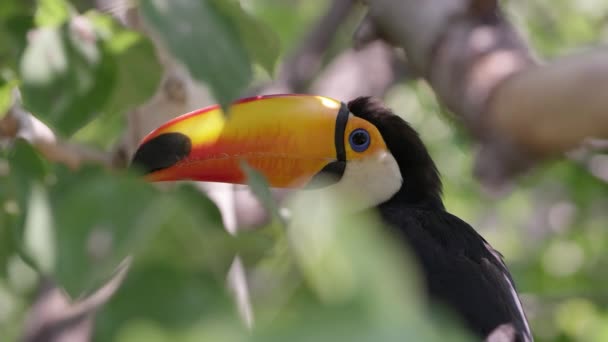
[[21, 170], [95, 232], [52, 12], [24, 167], [261, 42], [194, 238], [139, 72], [39, 232], [290, 20], [7, 241], [12, 307], [168, 299], [260, 187], [6, 91], [358, 284], [67, 75], [123, 216], [22, 276], [8, 209], [204, 39], [16, 19], [138, 76]]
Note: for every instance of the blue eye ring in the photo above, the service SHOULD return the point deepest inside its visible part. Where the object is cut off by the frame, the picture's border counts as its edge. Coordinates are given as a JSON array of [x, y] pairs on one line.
[[359, 140]]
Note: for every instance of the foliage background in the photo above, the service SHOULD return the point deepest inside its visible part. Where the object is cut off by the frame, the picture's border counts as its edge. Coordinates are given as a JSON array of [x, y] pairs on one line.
[[75, 226]]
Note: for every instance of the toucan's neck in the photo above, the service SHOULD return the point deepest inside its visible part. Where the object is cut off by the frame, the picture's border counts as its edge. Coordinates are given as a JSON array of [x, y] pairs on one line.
[[421, 187], [405, 199]]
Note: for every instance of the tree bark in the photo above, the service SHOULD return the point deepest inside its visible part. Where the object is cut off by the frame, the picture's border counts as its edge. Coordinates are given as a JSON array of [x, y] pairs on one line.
[[483, 71]]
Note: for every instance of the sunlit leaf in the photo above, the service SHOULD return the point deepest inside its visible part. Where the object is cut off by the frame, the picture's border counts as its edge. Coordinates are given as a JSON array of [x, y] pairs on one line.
[[12, 307], [204, 39], [21, 276], [39, 232], [6, 90], [51, 12]]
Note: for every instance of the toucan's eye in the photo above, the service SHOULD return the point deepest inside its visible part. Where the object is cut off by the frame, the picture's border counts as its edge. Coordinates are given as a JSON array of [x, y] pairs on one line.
[[359, 140]]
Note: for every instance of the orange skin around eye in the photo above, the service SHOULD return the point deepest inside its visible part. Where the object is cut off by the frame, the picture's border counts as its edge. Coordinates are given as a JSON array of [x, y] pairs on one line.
[[376, 142]]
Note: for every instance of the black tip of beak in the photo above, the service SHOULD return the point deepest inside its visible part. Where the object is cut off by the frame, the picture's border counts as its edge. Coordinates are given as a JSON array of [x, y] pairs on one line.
[[161, 152]]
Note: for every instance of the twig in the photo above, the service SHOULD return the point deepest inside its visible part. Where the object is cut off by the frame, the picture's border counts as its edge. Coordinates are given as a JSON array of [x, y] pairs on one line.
[[18, 123], [298, 70], [54, 318]]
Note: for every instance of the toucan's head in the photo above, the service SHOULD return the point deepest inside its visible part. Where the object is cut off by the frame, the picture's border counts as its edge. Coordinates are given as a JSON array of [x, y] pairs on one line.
[[293, 140]]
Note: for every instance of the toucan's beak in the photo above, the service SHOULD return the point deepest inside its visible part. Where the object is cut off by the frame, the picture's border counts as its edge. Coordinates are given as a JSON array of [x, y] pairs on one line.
[[288, 138]]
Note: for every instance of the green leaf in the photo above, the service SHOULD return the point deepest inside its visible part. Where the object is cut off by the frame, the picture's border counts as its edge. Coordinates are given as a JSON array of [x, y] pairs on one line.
[[51, 12], [25, 168], [139, 72], [195, 237], [8, 209], [67, 76], [138, 76], [261, 42], [95, 232], [21, 169], [39, 234], [170, 300], [16, 19], [121, 215], [260, 187], [6, 92], [205, 40]]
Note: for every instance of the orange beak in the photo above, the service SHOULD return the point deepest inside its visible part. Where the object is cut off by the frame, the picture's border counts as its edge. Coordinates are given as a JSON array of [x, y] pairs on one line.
[[288, 138]]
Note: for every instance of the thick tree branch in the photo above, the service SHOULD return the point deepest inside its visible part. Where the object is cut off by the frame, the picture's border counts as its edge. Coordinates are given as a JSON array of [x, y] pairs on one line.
[[558, 105], [483, 71]]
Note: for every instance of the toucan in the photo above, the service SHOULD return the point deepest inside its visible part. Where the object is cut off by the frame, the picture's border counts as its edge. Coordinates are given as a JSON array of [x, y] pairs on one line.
[[364, 147]]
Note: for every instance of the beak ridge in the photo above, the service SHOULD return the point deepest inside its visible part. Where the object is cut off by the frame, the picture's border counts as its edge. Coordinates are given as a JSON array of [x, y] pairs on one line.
[[288, 138]]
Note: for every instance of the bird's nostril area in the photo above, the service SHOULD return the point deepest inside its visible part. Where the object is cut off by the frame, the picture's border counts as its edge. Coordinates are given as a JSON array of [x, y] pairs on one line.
[[162, 152]]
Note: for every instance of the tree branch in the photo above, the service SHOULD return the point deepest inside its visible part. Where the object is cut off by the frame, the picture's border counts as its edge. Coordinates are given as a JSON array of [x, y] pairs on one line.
[[558, 105], [299, 69], [483, 71], [18, 123], [55, 318]]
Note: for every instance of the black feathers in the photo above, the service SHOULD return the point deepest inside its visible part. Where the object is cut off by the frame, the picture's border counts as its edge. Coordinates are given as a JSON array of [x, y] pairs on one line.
[[460, 268]]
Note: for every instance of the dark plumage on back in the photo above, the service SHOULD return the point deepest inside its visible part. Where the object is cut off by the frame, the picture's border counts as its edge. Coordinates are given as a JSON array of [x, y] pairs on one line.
[[460, 268]]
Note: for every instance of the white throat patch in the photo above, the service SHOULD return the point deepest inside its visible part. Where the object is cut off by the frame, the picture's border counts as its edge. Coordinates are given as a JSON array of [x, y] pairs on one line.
[[370, 181]]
